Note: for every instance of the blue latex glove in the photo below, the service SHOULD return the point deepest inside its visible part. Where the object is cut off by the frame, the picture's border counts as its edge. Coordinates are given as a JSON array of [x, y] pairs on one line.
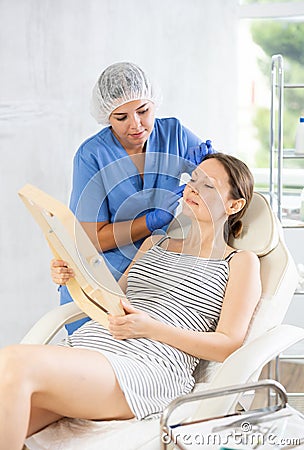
[[164, 214], [197, 154]]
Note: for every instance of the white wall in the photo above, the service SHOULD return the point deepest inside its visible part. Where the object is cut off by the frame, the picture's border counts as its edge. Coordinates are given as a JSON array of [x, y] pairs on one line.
[[51, 53]]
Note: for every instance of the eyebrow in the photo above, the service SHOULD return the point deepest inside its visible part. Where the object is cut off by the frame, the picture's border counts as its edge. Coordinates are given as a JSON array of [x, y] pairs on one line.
[[124, 113], [211, 179], [205, 176]]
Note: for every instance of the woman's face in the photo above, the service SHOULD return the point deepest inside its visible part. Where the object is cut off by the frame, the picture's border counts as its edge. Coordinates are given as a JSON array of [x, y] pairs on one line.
[[207, 195], [132, 123]]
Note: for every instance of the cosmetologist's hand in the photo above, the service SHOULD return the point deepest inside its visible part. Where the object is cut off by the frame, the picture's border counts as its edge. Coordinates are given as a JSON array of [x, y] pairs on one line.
[[198, 153], [164, 214]]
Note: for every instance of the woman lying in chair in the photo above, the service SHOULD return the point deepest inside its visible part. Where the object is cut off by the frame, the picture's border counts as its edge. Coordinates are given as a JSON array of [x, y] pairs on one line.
[[188, 299]]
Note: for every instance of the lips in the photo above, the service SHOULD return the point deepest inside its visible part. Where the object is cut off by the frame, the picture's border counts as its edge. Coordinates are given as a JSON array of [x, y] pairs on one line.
[[191, 202], [138, 135]]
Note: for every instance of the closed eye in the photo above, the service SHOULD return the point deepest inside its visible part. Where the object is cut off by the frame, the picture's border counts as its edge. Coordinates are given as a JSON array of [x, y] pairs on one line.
[[143, 112]]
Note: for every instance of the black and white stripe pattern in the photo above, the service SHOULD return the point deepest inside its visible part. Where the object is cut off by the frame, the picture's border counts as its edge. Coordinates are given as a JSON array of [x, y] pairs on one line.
[[179, 290]]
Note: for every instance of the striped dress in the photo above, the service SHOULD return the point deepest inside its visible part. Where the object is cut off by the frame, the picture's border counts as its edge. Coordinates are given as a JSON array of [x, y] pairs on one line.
[[177, 289]]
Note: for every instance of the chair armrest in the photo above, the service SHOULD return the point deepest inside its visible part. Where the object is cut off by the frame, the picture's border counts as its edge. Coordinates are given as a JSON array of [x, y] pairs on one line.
[[48, 325], [245, 364]]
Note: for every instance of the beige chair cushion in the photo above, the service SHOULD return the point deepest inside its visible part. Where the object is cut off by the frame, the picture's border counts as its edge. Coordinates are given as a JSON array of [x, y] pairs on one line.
[[258, 217]]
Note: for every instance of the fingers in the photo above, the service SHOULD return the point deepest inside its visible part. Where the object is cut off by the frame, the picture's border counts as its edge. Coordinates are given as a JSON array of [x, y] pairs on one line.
[[209, 143], [128, 308], [193, 155], [126, 326], [208, 149], [60, 272], [197, 154], [171, 208], [119, 327], [118, 320], [173, 204], [179, 191], [58, 263], [174, 197]]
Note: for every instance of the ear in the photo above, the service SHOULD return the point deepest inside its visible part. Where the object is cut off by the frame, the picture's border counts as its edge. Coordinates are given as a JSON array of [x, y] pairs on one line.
[[234, 206]]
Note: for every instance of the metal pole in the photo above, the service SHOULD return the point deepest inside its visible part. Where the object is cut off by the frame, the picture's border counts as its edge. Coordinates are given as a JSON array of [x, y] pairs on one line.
[[272, 129], [277, 87], [280, 133]]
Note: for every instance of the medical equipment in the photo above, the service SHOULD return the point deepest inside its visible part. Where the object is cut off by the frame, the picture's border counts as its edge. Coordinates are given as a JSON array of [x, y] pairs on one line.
[[299, 147]]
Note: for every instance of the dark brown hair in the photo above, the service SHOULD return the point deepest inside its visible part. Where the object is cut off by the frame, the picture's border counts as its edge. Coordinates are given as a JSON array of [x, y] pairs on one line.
[[241, 186]]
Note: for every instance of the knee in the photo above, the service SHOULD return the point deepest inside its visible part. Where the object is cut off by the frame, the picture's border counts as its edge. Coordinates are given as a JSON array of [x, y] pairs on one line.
[[13, 365]]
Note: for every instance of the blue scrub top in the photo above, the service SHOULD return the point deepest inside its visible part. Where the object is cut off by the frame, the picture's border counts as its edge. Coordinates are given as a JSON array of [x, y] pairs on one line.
[[108, 187]]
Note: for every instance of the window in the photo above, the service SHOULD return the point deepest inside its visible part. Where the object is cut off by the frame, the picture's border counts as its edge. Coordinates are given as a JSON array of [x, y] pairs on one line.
[[266, 28]]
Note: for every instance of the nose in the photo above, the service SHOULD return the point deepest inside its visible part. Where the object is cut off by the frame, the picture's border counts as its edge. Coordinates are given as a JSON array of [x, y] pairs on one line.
[[135, 121], [190, 186]]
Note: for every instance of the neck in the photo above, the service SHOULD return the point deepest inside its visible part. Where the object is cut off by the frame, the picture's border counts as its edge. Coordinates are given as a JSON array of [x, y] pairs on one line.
[[135, 150], [206, 240]]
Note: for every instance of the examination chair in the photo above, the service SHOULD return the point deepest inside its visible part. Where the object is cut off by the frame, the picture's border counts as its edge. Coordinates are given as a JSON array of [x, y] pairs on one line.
[[266, 338]]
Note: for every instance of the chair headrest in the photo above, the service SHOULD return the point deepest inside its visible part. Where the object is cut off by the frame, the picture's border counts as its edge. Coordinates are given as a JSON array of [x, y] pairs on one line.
[[260, 232]]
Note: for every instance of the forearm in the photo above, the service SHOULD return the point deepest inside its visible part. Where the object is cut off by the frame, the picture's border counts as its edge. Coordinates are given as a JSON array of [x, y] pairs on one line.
[[212, 346], [118, 234], [122, 233]]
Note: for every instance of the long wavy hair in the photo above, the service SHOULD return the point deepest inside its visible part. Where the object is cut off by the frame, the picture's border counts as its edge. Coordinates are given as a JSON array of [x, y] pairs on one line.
[[241, 186]]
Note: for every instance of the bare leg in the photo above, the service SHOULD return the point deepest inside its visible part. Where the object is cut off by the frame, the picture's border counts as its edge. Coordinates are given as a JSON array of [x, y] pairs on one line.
[[40, 418], [54, 382]]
